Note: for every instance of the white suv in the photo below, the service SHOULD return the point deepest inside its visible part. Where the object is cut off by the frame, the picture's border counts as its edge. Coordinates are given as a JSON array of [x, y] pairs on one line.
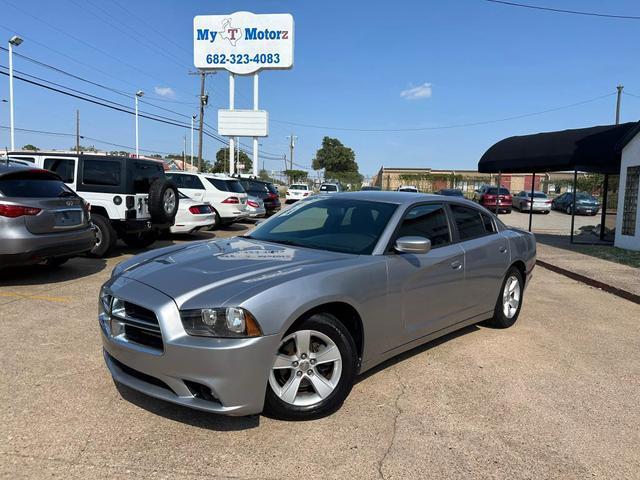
[[225, 194], [297, 191]]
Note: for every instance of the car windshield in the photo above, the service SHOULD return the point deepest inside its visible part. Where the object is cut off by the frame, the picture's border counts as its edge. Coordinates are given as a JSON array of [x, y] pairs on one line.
[[34, 184], [584, 196], [494, 191], [338, 225], [536, 195], [328, 188], [298, 187]]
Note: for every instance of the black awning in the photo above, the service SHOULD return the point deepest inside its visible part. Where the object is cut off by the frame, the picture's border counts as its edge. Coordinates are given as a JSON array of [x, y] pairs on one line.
[[594, 149]]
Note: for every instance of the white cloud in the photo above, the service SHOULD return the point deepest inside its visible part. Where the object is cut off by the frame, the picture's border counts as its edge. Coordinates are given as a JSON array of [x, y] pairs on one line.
[[164, 92], [416, 93]]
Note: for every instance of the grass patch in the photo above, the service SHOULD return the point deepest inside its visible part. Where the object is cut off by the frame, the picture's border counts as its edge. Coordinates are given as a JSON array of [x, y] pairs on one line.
[[613, 254]]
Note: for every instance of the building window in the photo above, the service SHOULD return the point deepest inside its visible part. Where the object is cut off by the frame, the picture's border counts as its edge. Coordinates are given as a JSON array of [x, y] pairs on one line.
[[630, 206]]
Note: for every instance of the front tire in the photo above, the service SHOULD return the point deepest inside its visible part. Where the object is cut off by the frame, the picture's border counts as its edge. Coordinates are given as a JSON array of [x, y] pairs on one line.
[[509, 300], [314, 370]]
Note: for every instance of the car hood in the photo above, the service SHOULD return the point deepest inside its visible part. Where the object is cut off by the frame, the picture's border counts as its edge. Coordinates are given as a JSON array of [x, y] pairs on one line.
[[223, 268]]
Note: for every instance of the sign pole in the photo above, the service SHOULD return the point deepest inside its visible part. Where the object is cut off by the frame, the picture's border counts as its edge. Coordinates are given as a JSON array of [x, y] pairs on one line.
[[232, 94], [255, 139]]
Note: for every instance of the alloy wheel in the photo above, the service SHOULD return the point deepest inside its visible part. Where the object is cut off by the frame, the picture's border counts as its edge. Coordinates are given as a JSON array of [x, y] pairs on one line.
[[307, 368], [169, 201], [511, 296]]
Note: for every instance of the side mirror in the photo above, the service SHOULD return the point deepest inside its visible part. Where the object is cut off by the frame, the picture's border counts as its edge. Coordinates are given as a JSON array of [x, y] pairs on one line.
[[417, 245]]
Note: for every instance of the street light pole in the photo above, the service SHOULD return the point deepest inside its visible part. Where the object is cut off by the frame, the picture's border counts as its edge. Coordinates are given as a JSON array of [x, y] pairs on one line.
[[13, 42], [139, 94]]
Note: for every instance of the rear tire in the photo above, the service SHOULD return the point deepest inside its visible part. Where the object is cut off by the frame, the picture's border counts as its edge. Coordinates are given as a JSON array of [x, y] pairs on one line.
[[140, 240], [568, 210], [106, 236], [330, 344], [509, 301], [163, 201]]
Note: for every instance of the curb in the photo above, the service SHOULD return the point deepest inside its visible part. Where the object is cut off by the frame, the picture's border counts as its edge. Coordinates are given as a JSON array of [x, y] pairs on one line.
[[632, 297]]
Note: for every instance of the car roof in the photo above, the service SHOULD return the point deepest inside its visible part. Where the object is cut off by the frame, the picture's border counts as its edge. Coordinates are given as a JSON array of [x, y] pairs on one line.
[[400, 198], [14, 167]]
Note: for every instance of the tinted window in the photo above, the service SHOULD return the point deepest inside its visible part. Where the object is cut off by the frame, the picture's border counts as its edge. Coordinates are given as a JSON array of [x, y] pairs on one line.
[[298, 187], [488, 223], [469, 221], [36, 184], [272, 188], [341, 225], [101, 172], [494, 191], [176, 179], [328, 188], [192, 181], [26, 159], [429, 221], [226, 185], [144, 174], [62, 166], [253, 186]]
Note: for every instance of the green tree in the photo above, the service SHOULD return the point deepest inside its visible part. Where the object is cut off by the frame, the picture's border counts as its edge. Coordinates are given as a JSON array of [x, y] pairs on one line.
[[296, 175], [334, 157], [30, 147], [222, 161]]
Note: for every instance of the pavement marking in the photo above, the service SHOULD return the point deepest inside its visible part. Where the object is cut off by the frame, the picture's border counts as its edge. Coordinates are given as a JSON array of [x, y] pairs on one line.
[[35, 297]]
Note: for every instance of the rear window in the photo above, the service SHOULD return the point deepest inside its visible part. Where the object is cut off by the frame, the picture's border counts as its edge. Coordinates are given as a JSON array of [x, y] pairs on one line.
[[298, 187], [226, 185], [328, 188], [494, 191], [34, 184], [252, 186], [272, 188], [65, 167], [101, 172], [144, 174]]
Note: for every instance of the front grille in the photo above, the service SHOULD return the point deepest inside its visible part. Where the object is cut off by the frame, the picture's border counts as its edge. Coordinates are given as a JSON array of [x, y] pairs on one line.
[[140, 324]]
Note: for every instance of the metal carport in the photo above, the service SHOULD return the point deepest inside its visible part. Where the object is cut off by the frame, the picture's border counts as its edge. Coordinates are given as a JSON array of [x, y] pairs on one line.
[[594, 150]]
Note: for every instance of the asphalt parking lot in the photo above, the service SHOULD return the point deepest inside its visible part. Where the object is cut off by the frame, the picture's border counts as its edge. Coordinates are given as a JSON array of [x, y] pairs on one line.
[[554, 222], [556, 396]]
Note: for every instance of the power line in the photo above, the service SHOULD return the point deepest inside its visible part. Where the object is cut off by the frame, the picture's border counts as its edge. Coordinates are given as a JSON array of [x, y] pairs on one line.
[[444, 127], [631, 94], [560, 10]]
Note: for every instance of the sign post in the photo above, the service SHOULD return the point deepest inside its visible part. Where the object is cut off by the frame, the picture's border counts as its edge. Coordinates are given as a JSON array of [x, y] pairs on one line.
[[243, 43]]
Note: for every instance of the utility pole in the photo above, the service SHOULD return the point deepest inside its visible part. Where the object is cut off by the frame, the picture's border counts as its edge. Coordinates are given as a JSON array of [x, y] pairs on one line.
[[78, 132], [619, 87], [184, 153], [204, 100], [292, 144]]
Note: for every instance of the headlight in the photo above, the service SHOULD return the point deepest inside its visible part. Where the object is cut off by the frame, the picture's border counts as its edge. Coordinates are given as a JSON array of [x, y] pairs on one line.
[[220, 322], [104, 309]]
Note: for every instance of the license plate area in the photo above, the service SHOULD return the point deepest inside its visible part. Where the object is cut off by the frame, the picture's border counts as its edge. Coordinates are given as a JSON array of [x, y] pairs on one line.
[[68, 218]]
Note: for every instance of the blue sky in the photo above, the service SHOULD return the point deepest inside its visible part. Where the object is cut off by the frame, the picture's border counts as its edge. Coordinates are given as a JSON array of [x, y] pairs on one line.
[[367, 65]]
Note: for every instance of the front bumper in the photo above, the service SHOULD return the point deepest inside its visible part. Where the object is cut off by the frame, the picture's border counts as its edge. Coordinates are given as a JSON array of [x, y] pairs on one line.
[[587, 210], [235, 370]]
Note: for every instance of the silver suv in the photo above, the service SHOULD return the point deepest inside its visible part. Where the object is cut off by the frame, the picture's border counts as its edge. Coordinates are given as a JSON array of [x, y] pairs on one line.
[[41, 219]]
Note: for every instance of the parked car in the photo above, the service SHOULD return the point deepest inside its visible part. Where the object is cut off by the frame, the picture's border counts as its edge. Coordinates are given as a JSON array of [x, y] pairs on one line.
[[370, 188], [522, 202], [255, 207], [490, 198], [266, 191], [297, 191], [279, 320], [41, 219], [193, 216], [450, 192], [407, 188], [130, 198], [330, 188], [225, 194], [585, 203]]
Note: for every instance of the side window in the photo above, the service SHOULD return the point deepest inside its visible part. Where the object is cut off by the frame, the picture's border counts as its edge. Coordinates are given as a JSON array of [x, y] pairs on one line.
[[470, 222], [62, 166], [101, 172], [144, 175], [176, 179], [191, 181], [429, 221], [219, 184], [489, 227]]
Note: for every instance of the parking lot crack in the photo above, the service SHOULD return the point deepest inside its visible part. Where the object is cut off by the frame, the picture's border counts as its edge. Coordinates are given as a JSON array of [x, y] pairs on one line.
[[399, 412]]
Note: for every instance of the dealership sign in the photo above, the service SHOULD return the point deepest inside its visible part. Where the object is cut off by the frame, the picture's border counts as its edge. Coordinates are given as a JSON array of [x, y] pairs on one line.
[[243, 42]]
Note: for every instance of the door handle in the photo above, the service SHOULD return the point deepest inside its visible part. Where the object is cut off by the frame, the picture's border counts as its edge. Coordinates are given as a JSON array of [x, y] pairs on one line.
[[456, 265], [502, 249]]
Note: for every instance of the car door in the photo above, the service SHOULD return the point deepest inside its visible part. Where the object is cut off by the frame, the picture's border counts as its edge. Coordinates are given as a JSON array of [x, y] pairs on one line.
[[426, 287], [486, 258], [192, 187]]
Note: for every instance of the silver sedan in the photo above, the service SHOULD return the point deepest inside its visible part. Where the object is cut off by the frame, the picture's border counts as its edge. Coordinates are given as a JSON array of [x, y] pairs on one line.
[[283, 320]]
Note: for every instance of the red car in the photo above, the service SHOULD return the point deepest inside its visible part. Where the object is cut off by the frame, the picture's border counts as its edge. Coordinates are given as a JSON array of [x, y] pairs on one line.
[[489, 198]]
